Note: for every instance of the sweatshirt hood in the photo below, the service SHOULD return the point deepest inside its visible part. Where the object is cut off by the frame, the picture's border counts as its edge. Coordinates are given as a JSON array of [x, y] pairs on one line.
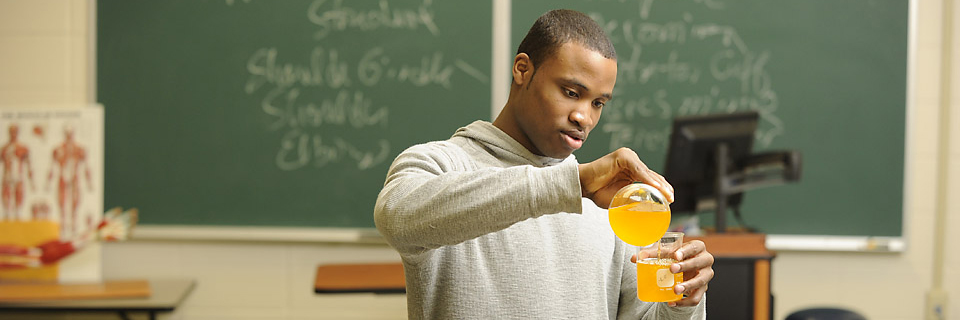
[[503, 145]]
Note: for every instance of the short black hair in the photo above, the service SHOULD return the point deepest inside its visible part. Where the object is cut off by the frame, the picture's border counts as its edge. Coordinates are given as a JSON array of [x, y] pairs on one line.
[[560, 26]]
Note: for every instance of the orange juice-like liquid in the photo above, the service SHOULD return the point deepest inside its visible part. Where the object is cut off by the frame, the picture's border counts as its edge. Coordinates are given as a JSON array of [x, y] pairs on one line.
[[655, 282], [636, 224]]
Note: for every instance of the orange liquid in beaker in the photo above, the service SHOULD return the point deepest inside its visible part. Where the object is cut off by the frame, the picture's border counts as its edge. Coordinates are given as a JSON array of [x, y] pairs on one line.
[[655, 282], [636, 224]]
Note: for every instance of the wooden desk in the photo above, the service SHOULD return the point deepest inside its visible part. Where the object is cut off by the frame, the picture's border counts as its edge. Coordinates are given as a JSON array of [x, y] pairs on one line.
[[739, 290], [352, 278], [164, 296]]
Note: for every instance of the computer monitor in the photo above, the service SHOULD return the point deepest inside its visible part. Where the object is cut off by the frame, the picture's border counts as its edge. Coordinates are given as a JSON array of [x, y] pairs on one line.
[[692, 159]]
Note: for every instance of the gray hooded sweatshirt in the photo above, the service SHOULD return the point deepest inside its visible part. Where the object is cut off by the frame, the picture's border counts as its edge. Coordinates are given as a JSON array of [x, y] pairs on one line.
[[488, 230]]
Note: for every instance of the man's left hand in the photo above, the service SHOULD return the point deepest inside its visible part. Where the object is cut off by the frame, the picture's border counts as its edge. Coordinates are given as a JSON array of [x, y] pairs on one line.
[[697, 267]]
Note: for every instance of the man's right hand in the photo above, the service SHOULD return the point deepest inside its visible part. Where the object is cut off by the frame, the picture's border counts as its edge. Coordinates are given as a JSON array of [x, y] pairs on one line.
[[601, 179]]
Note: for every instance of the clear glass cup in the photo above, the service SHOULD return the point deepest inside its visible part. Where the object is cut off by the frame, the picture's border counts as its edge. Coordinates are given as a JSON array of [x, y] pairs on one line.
[[655, 282]]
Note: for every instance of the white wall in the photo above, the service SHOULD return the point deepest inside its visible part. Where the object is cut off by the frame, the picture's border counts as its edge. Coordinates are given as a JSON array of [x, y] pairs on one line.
[[893, 286], [256, 280], [45, 61], [44, 52], [44, 55]]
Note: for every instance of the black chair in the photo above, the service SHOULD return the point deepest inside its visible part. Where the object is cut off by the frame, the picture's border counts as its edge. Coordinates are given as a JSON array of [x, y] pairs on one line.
[[825, 314]]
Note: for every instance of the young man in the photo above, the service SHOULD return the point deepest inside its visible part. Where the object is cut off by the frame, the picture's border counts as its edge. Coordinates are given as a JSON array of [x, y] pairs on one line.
[[501, 222]]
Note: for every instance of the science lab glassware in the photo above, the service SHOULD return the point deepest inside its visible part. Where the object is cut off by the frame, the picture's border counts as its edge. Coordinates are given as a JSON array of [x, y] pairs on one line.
[[655, 282], [639, 214]]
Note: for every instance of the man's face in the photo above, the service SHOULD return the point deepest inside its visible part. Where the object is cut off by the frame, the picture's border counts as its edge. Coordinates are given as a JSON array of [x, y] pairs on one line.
[[561, 103]]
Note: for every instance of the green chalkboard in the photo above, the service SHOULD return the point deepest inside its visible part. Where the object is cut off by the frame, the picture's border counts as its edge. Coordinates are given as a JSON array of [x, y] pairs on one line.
[[279, 113], [827, 77]]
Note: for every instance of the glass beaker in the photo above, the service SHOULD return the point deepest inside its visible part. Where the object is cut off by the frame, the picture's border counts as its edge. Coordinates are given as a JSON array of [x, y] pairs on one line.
[[655, 282]]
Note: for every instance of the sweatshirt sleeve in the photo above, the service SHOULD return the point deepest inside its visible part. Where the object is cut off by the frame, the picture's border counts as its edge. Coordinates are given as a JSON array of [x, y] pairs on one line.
[[431, 200]]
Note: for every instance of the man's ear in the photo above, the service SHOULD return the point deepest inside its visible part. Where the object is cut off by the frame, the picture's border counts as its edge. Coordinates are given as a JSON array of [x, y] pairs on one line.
[[522, 69]]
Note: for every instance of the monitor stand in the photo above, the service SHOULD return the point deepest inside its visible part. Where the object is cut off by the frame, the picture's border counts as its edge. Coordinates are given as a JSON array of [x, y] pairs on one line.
[[756, 171]]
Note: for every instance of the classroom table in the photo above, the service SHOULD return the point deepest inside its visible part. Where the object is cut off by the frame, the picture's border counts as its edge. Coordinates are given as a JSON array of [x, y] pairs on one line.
[[364, 277], [740, 289], [163, 296]]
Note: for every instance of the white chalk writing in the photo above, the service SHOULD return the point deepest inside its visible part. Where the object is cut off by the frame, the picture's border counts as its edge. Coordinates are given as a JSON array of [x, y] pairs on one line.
[[324, 69], [709, 62], [334, 16], [346, 108], [327, 104], [327, 68], [300, 149], [431, 70], [646, 6], [232, 2]]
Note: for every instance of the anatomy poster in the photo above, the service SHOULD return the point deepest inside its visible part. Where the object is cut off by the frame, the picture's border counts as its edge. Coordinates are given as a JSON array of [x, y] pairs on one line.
[[52, 168]]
